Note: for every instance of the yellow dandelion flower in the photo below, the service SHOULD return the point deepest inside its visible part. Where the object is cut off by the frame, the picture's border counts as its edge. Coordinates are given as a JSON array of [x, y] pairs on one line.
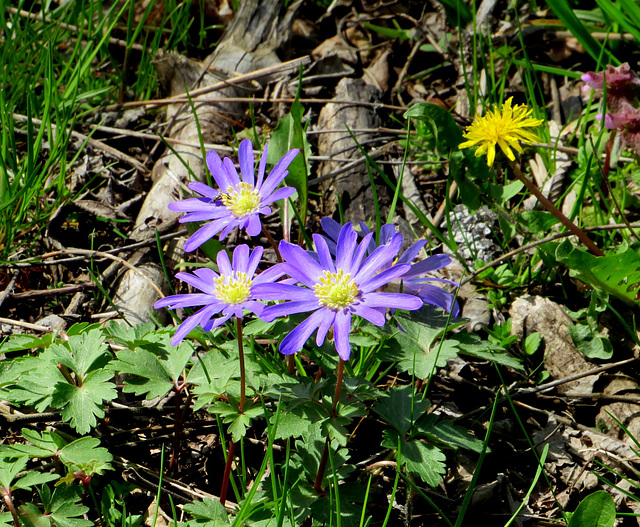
[[505, 127]]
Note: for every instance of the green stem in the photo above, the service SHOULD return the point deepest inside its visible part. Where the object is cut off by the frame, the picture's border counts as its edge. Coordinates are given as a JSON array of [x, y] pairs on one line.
[[593, 248], [317, 485]]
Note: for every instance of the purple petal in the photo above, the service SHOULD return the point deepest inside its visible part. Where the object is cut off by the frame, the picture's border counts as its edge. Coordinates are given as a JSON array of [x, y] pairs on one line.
[[325, 326], [280, 291], [254, 260], [363, 248], [211, 214], [233, 222], [241, 258], [379, 257], [253, 225], [346, 247], [262, 166], [281, 193], [436, 296], [203, 189], [371, 314], [270, 275], [301, 266], [392, 301], [191, 205], [231, 172], [205, 233], [331, 227], [383, 278], [278, 173], [224, 265], [215, 167], [433, 263], [412, 252], [245, 158], [323, 253], [295, 340], [341, 330], [288, 308], [387, 232]]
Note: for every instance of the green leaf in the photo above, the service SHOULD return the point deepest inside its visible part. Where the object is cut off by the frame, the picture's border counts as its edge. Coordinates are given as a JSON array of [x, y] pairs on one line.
[[444, 127], [25, 342], [473, 346], [155, 373], [290, 424], [9, 468], [64, 507], [427, 461], [34, 478], [210, 376], [617, 274], [503, 193], [82, 353], [532, 343], [596, 510], [46, 445], [290, 134], [238, 421], [82, 404], [208, 512], [537, 221], [454, 436], [86, 454], [401, 408], [592, 345]]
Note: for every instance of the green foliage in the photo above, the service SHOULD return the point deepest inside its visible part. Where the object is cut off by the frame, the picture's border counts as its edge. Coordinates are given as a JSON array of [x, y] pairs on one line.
[[60, 508], [596, 510]]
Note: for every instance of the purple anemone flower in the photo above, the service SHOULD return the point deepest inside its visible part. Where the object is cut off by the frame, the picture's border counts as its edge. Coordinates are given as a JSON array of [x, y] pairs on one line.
[[413, 282], [229, 292], [335, 289], [239, 202]]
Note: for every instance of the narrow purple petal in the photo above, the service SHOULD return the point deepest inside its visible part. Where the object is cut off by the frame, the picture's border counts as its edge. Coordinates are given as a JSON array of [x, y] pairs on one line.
[[379, 257], [203, 189], [383, 278], [185, 300], [280, 291], [341, 330], [191, 205], [433, 263], [211, 324], [281, 193], [300, 265], [231, 172], [212, 214], [270, 275], [363, 248], [295, 340], [204, 233], [245, 158], [232, 224], [371, 314], [254, 260], [288, 308], [224, 265], [412, 252], [253, 225], [215, 167], [345, 247], [241, 258], [323, 253], [262, 166], [436, 296], [331, 227], [199, 317], [325, 326], [392, 301], [278, 173], [364, 228], [387, 232]]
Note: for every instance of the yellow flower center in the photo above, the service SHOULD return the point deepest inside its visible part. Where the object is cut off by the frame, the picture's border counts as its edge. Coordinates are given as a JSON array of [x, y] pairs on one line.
[[336, 290], [234, 289], [241, 200]]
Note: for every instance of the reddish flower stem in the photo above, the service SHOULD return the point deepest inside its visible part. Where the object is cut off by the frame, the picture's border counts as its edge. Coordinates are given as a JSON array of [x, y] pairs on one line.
[[317, 485], [593, 248], [227, 473], [273, 244]]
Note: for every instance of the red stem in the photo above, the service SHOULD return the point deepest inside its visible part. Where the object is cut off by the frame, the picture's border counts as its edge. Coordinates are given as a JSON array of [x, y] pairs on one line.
[[227, 474], [593, 248]]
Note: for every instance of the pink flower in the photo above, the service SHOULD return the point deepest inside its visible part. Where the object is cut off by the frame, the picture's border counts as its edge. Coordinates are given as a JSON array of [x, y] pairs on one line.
[[620, 83], [627, 120]]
